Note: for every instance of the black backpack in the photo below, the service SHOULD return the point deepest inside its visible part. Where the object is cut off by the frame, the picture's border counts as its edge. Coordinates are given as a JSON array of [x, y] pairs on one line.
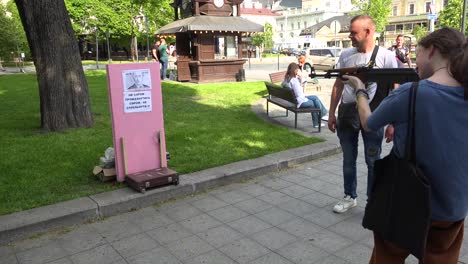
[[400, 55]]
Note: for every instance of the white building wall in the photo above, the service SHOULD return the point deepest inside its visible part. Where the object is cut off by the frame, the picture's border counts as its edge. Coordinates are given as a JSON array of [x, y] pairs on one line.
[[328, 5], [293, 21]]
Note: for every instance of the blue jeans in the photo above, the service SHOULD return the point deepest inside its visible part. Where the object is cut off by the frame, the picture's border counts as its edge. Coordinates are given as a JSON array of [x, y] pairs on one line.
[[164, 64], [314, 101], [372, 150]]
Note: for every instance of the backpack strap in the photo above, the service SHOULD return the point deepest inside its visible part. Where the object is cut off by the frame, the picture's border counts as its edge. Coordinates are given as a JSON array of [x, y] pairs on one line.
[[410, 147], [372, 59]]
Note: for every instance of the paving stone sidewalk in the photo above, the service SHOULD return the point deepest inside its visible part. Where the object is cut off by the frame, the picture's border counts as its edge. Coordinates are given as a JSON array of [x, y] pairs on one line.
[[278, 218]]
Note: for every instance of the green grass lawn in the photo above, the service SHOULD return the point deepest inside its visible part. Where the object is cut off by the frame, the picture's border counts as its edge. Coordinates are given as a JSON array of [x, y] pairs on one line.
[[206, 126]]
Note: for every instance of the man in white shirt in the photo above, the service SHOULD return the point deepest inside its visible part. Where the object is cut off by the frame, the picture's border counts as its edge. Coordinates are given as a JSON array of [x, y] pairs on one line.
[[362, 31]]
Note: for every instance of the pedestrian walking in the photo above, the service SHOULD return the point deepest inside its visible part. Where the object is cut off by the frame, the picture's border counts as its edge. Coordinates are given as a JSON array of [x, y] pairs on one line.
[[401, 52], [164, 58]]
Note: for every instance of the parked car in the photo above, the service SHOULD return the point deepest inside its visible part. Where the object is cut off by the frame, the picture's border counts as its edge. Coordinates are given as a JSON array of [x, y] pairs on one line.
[[323, 58], [290, 51], [300, 53], [285, 51], [274, 51]]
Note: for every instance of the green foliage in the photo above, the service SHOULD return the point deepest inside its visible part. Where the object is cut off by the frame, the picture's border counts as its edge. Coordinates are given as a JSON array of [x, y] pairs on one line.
[[206, 126], [268, 36], [451, 15], [122, 18], [257, 39], [379, 10], [265, 39], [12, 35], [419, 32], [89, 15]]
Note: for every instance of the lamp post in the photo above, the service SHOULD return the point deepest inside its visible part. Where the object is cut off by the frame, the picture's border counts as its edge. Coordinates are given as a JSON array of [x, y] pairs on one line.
[[97, 49], [335, 24], [432, 19], [463, 22], [92, 25], [147, 38], [108, 46]]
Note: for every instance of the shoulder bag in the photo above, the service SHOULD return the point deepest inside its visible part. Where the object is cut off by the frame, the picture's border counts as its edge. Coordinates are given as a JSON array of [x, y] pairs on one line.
[[399, 205]]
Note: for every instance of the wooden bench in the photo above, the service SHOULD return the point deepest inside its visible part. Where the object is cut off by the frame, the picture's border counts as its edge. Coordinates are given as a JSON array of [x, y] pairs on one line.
[[277, 77], [286, 99]]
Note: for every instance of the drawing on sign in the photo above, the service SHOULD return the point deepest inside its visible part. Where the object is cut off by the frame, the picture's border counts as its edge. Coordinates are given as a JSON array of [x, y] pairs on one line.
[[137, 91], [136, 80]]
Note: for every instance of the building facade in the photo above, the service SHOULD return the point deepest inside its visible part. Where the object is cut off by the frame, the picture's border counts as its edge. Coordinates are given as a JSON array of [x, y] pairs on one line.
[[324, 23], [407, 14], [293, 21]]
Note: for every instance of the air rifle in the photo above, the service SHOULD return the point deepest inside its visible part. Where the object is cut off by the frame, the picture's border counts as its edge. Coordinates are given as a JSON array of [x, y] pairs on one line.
[[367, 74], [384, 77]]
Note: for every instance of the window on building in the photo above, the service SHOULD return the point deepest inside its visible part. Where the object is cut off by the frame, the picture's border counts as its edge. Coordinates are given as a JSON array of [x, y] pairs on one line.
[[411, 9], [445, 2], [427, 8], [298, 25], [395, 11], [225, 47], [305, 24], [292, 26], [282, 27], [291, 34]]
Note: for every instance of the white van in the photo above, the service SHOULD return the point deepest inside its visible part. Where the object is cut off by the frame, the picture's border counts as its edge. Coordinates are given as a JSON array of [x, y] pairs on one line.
[[323, 58]]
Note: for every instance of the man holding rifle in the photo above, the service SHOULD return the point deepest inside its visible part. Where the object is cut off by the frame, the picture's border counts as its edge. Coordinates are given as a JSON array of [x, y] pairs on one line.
[[364, 52]]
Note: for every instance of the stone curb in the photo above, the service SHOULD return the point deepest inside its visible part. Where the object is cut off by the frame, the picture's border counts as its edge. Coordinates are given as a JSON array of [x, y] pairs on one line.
[[31, 222]]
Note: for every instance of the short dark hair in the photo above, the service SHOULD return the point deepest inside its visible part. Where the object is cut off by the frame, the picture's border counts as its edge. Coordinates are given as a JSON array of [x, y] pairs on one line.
[[400, 36], [368, 18]]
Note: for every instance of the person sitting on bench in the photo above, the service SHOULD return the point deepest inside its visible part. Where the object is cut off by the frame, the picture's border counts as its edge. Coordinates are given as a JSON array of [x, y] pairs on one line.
[[292, 81]]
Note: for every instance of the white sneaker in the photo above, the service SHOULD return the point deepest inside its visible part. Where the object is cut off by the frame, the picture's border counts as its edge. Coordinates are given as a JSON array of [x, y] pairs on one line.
[[346, 203], [316, 126], [325, 118]]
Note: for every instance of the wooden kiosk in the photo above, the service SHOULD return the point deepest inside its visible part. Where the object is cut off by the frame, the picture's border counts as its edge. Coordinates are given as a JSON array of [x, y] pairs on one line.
[[209, 39]]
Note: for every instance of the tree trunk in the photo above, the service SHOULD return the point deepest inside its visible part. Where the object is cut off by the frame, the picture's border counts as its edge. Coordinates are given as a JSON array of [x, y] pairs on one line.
[[63, 90]]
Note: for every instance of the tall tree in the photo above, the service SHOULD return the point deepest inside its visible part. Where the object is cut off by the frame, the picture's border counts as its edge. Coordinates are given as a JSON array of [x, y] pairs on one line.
[[12, 36], [268, 36], [451, 15], [419, 31], [63, 90], [264, 39], [379, 10], [122, 18]]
